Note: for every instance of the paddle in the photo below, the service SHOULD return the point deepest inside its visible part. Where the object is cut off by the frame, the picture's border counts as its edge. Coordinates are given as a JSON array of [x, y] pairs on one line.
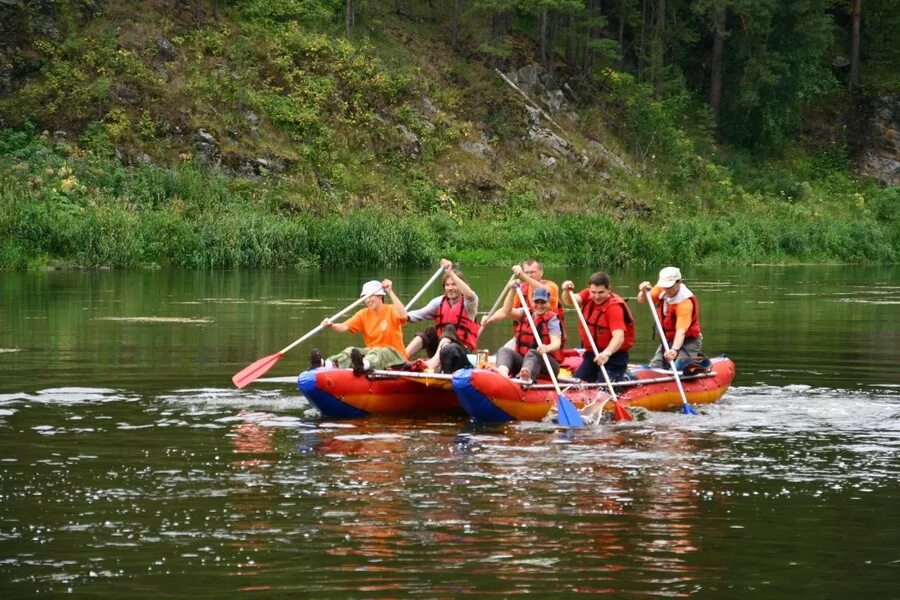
[[685, 407], [619, 413], [424, 287], [496, 304], [249, 374], [567, 415]]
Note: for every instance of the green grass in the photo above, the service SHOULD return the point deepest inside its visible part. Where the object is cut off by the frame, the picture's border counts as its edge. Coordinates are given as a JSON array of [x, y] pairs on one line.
[[331, 108], [57, 207]]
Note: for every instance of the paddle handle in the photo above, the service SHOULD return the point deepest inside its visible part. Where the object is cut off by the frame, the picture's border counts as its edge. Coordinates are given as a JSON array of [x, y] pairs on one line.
[[424, 287], [665, 344], [319, 327], [537, 336], [587, 333], [503, 293]]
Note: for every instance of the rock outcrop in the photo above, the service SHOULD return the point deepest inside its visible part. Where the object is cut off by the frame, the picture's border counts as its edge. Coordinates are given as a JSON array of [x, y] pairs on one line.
[[881, 156]]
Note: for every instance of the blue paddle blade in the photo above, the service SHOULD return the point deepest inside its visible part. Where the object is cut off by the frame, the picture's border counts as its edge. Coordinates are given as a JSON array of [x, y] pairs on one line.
[[568, 414], [688, 409]]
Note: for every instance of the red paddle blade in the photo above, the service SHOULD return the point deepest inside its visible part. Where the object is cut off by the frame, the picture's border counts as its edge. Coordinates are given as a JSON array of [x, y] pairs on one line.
[[249, 374], [620, 414]]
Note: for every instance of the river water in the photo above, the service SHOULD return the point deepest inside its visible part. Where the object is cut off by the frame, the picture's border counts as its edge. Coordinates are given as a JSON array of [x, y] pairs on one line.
[[130, 467]]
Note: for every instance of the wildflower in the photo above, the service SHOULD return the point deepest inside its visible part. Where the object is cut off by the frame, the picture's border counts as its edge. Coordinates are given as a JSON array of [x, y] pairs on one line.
[[68, 184]]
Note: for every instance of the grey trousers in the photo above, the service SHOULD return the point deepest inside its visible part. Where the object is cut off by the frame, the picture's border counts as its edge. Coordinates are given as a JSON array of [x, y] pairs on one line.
[[690, 349], [515, 362]]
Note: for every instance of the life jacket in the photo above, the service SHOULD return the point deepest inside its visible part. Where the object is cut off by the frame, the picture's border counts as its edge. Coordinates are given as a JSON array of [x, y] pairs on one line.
[[669, 319], [525, 338], [598, 323], [560, 311], [466, 328]]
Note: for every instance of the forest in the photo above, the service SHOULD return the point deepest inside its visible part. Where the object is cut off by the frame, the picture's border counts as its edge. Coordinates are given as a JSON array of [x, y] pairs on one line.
[[298, 133]]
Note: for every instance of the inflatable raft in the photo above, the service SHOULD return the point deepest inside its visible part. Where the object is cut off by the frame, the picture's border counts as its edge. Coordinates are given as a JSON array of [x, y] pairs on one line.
[[338, 394], [488, 396]]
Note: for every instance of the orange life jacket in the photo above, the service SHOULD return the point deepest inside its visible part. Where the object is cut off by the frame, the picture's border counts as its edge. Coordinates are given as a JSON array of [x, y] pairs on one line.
[[670, 318], [525, 338], [466, 328], [598, 323]]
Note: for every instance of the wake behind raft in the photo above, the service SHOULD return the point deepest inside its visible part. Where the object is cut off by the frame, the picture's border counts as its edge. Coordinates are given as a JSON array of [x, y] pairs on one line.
[[487, 396]]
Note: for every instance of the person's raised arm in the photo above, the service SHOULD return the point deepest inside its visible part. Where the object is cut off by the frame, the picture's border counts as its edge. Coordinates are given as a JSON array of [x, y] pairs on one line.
[[516, 314], [388, 286], [569, 296], [520, 273], [643, 288]]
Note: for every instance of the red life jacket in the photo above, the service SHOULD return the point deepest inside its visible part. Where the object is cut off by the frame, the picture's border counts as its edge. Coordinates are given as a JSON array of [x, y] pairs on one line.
[[598, 323], [669, 319], [466, 328], [525, 338], [560, 311]]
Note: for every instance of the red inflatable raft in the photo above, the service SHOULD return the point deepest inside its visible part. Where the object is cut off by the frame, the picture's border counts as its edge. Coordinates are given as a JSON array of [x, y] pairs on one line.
[[488, 396]]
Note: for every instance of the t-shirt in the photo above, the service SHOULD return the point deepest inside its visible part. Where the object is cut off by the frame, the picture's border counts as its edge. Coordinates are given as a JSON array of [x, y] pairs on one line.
[[430, 310], [380, 329], [684, 310], [554, 295], [615, 314]]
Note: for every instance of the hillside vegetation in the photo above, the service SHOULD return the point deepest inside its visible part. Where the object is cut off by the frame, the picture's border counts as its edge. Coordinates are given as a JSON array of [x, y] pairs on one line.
[[292, 133]]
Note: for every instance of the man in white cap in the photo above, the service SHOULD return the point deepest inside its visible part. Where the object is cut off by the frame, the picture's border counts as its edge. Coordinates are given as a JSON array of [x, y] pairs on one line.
[[381, 326], [679, 314]]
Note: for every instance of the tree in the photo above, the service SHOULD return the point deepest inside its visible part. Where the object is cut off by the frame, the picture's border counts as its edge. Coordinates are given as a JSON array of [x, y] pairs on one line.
[[720, 10], [855, 10], [349, 16], [774, 68], [454, 24]]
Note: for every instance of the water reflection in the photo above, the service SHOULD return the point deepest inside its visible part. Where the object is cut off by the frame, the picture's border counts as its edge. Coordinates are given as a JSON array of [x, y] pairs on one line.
[[130, 467]]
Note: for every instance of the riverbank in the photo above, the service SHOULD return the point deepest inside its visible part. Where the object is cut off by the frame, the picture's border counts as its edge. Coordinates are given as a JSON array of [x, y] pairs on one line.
[[64, 206], [256, 137]]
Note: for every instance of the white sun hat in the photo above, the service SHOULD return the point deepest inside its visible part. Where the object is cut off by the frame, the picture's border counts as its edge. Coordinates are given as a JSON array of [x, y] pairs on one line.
[[668, 276], [372, 288]]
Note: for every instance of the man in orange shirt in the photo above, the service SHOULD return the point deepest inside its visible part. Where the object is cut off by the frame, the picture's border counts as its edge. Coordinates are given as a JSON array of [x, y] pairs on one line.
[[679, 313], [381, 326], [531, 274]]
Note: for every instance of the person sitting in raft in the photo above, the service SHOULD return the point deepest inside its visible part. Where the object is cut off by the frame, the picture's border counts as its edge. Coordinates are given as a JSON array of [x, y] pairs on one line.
[[679, 314], [381, 327], [525, 359], [454, 333], [611, 324]]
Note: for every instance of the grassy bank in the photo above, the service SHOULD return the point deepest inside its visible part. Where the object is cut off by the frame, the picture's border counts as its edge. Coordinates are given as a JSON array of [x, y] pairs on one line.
[[266, 136], [66, 206]]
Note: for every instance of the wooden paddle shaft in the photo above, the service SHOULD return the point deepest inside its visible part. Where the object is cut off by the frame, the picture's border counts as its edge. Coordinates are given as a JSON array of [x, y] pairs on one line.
[[587, 333], [424, 287], [319, 327], [665, 344], [537, 337]]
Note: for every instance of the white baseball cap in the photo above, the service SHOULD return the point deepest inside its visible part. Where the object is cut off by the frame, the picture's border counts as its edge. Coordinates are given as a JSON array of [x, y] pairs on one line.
[[668, 276], [372, 288]]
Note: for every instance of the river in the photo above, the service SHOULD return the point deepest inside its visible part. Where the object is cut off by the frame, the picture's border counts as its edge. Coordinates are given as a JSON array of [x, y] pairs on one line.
[[131, 467]]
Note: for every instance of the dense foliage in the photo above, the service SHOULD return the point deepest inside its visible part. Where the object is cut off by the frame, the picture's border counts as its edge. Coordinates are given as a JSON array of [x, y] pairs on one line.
[[330, 132]]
